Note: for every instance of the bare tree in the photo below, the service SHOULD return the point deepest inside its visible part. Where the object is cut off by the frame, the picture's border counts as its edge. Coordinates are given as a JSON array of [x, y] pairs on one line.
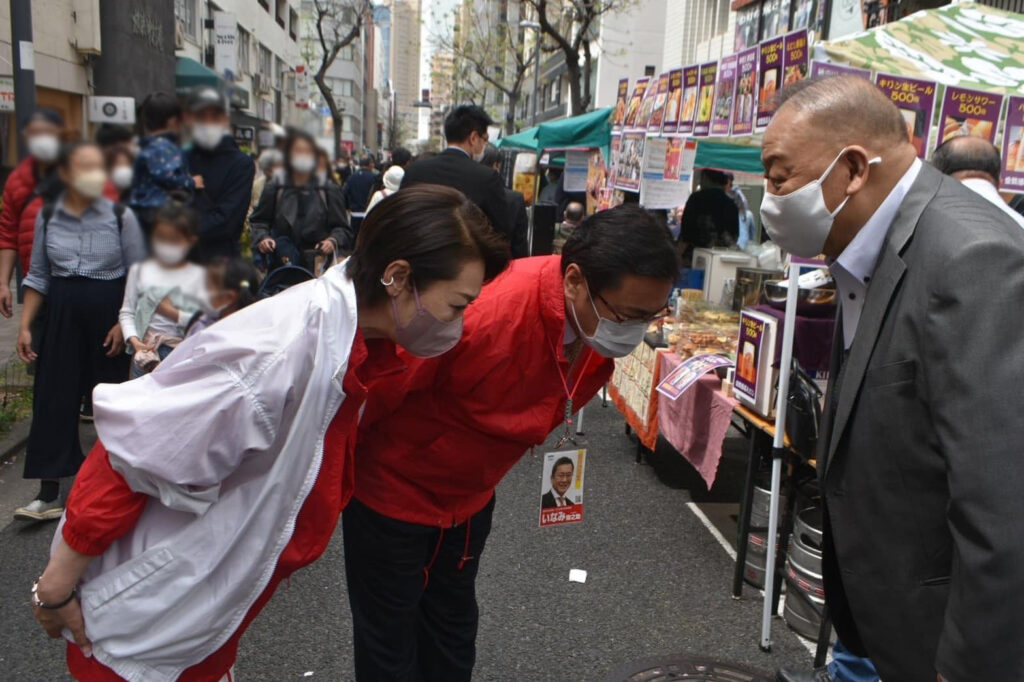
[[488, 54], [337, 24], [571, 27]]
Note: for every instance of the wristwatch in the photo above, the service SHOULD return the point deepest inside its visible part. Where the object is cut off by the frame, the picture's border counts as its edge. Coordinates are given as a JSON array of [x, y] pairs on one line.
[[51, 607]]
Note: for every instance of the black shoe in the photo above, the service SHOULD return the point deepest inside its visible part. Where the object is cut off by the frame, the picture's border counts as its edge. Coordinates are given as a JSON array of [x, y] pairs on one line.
[[792, 675], [85, 411]]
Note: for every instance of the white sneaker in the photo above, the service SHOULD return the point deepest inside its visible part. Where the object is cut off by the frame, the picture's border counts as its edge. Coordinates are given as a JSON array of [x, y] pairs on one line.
[[37, 510]]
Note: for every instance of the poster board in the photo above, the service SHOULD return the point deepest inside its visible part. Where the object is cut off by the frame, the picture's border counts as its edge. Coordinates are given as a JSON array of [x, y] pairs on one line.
[[915, 99], [691, 88], [969, 112], [725, 91], [746, 85], [1012, 177], [705, 99], [769, 80], [795, 58], [755, 355], [666, 183], [577, 165], [630, 159], [633, 107], [660, 100], [621, 100], [674, 104]]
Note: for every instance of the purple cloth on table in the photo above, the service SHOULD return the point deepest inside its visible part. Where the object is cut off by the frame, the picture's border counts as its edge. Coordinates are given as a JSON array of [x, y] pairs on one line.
[[812, 339], [695, 423]]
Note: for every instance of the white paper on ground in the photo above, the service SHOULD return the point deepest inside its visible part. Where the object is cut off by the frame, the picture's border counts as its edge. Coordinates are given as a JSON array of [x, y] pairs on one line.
[[577, 575]]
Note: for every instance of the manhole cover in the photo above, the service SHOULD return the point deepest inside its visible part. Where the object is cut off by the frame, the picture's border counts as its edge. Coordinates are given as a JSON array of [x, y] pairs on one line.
[[685, 667]]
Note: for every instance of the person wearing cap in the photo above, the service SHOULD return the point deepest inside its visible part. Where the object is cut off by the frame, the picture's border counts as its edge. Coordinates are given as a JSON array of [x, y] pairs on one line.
[[392, 181], [222, 197], [32, 182]]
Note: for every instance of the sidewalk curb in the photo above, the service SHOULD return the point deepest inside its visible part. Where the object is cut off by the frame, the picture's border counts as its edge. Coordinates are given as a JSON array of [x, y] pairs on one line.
[[15, 440]]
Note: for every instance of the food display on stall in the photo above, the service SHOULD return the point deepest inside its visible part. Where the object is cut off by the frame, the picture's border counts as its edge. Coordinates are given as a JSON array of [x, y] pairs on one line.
[[699, 328]]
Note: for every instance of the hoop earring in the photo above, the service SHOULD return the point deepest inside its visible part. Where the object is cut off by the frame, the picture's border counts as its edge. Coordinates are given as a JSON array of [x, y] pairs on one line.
[[388, 283]]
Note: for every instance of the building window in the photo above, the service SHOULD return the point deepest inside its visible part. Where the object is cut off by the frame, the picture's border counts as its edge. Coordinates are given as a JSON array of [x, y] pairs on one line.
[[278, 70], [185, 14], [266, 4], [243, 50], [345, 88], [293, 24], [266, 62], [348, 53], [282, 13]]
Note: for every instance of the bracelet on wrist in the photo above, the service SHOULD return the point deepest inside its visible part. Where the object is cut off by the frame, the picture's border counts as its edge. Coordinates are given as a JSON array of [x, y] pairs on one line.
[[36, 601]]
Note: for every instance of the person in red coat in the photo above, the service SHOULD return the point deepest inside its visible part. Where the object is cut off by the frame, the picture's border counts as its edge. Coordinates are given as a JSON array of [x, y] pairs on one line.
[[436, 440], [226, 468], [32, 182]]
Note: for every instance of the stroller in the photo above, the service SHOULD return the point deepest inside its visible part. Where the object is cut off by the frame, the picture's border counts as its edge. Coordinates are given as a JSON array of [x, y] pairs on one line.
[[287, 274]]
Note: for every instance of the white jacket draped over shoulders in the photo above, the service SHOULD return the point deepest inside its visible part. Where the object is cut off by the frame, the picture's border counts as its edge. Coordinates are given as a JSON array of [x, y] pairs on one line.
[[227, 438]]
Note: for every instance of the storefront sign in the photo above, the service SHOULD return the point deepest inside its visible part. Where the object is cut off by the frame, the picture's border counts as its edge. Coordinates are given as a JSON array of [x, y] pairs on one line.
[[6, 93], [620, 105], [633, 108], [827, 69], [673, 107], [725, 92], [969, 112], [691, 83], [746, 83], [916, 102], [120, 110], [267, 110], [302, 86], [705, 99], [795, 62], [1012, 177], [225, 44], [660, 99], [244, 135], [770, 75]]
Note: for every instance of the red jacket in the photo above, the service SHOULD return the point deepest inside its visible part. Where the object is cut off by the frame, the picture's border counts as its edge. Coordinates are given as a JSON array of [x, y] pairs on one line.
[[436, 440], [102, 507], [18, 215]]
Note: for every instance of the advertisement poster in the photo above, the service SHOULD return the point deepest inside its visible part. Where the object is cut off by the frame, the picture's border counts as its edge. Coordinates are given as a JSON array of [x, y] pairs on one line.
[[225, 45], [769, 80], [657, 190], [673, 106], [561, 491], [746, 28], [725, 91], [1012, 177], [803, 10], [633, 108], [795, 62], [746, 83], [916, 102], [673, 157], [847, 17], [705, 99], [574, 178], [524, 175], [826, 69], [660, 99], [689, 372], [631, 156], [647, 105], [597, 178], [620, 105], [691, 83], [774, 18], [754, 357], [969, 112], [613, 160]]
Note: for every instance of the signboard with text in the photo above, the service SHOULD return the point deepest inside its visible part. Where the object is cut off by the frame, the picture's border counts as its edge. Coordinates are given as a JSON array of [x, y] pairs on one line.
[[1012, 177], [691, 85], [673, 107], [969, 112], [225, 44], [725, 91], [769, 80], [620, 104], [705, 99], [916, 101], [746, 85]]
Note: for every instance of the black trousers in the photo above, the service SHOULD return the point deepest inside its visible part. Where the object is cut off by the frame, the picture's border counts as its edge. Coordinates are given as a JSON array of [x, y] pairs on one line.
[[412, 590], [72, 360]]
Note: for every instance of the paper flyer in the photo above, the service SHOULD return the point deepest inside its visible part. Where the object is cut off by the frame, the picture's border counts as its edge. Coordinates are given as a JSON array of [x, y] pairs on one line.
[[524, 175], [657, 191], [674, 104], [574, 178], [725, 91], [826, 69], [673, 157], [660, 99], [795, 60], [916, 102], [561, 497], [705, 99], [689, 372], [631, 156], [647, 104], [633, 107], [1012, 177], [691, 86], [746, 84], [769, 80], [969, 112], [620, 105]]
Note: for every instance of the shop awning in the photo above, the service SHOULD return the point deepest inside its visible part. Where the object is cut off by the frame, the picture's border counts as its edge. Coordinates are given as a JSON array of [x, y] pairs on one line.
[[730, 157], [589, 130], [188, 74], [526, 139], [964, 44]]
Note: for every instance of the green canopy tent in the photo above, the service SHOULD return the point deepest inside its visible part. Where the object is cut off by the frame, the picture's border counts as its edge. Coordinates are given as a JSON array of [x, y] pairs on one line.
[[728, 156], [188, 74], [589, 130], [526, 139], [963, 44]]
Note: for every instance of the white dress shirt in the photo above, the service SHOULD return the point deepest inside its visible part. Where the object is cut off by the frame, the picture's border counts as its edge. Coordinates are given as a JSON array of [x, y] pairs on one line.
[[856, 264], [989, 191]]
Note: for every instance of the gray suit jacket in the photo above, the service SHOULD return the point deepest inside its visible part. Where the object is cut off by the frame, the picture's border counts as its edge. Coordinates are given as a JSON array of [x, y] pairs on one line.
[[922, 454]]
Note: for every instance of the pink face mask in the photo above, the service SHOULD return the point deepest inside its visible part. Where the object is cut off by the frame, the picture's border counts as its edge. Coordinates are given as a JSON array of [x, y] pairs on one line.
[[426, 336]]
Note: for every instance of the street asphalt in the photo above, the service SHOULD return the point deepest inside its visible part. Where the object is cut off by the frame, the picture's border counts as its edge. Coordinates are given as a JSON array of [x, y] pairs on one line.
[[657, 583]]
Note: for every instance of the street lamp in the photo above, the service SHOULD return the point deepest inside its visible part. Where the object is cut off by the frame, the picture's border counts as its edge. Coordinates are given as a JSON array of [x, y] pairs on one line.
[[533, 25]]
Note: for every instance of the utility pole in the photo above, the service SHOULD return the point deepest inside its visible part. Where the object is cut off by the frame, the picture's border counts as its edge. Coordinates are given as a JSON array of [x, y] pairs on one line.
[[24, 64]]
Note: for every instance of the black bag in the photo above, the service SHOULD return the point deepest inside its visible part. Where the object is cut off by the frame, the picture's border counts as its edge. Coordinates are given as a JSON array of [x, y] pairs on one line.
[[803, 412]]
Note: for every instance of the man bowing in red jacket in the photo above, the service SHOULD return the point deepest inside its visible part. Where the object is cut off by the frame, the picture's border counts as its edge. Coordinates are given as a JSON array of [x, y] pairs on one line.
[[436, 440]]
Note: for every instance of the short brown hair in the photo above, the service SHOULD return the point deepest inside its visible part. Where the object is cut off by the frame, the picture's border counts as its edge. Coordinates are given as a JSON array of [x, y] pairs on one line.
[[435, 228]]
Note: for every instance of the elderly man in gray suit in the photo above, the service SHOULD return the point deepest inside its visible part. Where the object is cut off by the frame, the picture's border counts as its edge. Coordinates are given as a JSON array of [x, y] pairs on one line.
[[921, 456]]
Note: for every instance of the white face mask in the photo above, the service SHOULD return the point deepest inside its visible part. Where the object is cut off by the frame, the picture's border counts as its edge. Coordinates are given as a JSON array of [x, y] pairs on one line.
[[44, 148], [303, 163], [121, 177], [612, 339], [208, 135], [90, 184], [800, 222], [170, 254]]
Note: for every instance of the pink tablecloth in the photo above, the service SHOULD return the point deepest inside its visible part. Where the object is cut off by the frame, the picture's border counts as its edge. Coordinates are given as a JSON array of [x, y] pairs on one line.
[[695, 424]]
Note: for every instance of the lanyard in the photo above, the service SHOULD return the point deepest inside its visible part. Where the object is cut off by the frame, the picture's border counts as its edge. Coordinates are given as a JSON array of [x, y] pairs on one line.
[[583, 358]]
